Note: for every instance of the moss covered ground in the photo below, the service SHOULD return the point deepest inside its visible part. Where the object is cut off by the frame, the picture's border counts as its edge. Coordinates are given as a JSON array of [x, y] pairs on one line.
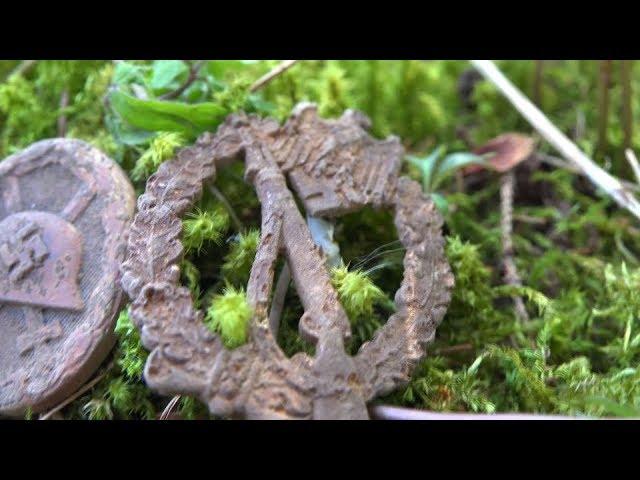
[[577, 253]]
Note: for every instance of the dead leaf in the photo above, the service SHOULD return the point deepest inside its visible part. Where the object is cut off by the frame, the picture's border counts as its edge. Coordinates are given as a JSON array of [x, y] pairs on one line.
[[508, 150]]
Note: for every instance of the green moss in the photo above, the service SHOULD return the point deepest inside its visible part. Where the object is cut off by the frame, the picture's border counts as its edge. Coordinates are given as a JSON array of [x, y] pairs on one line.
[[162, 147], [204, 226], [229, 315], [237, 263], [132, 354]]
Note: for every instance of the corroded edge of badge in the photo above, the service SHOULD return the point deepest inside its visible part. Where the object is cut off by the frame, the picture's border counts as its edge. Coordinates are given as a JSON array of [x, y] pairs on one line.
[[82, 351]]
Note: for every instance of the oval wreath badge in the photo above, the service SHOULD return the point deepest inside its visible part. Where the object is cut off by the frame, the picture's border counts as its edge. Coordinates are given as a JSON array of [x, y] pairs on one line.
[[335, 167]]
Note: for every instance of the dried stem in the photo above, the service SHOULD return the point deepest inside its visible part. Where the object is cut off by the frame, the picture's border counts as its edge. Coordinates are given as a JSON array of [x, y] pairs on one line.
[[386, 412], [604, 82], [610, 184], [463, 347], [279, 294], [23, 68], [169, 408], [62, 119], [511, 276], [262, 81], [537, 81], [627, 113], [222, 199], [560, 163], [193, 75], [85, 388], [633, 161]]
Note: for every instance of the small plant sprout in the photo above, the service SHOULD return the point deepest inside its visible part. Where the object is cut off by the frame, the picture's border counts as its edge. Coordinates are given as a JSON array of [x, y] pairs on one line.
[[434, 169]]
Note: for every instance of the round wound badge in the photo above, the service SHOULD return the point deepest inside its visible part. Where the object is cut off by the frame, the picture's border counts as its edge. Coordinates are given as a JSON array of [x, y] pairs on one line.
[[64, 212]]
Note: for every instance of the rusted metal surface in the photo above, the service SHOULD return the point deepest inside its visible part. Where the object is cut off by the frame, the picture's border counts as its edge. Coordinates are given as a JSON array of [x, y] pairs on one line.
[[334, 167], [64, 212]]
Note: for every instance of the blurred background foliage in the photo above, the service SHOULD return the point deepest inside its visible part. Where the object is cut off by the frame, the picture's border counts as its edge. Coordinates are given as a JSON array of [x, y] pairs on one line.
[[576, 252]]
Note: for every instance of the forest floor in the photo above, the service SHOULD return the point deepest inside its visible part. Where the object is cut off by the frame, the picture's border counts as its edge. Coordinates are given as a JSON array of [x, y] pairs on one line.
[[561, 337]]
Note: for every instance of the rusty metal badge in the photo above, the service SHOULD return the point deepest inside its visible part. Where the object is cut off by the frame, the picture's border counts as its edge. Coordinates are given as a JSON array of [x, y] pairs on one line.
[[335, 167], [64, 211]]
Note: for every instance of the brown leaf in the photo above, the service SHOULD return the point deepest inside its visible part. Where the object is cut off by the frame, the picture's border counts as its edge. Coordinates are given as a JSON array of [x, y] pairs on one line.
[[508, 150]]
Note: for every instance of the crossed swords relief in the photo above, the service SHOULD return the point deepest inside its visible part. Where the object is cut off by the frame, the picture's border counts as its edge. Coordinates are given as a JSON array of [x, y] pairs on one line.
[[30, 277]]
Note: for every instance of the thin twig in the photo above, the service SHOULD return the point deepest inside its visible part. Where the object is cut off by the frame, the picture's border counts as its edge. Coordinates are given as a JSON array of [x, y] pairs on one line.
[[387, 412], [633, 161], [266, 78], [222, 199], [62, 119], [560, 163], [193, 75], [279, 294], [85, 388], [463, 347], [627, 112], [537, 81], [511, 276], [604, 82], [530, 220], [580, 125], [169, 408], [557, 139], [22, 68]]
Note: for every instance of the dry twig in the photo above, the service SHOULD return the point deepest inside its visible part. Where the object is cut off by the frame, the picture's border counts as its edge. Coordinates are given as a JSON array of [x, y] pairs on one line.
[[633, 161], [23, 68], [262, 81], [85, 388], [169, 408], [193, 75], [386, 412], [62, 119], [279, 294], [222, 199], [511, 276]]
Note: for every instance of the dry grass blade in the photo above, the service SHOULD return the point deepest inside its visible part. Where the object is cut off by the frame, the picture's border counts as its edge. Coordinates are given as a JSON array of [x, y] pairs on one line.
[[262, 81], [76, 395], [385, 412], [169, 408]]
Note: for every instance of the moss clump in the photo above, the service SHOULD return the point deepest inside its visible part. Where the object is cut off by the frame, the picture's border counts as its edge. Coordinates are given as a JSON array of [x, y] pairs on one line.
[[229, 315], [357, 293], [204, 226], [161, 148], [238, 261]]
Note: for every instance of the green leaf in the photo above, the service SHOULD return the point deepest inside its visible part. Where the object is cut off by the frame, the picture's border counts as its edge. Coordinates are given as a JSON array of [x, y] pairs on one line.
[[124, 134], [453, 162], [427, 166], [441, 203], [165, 73], [156, 115]]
